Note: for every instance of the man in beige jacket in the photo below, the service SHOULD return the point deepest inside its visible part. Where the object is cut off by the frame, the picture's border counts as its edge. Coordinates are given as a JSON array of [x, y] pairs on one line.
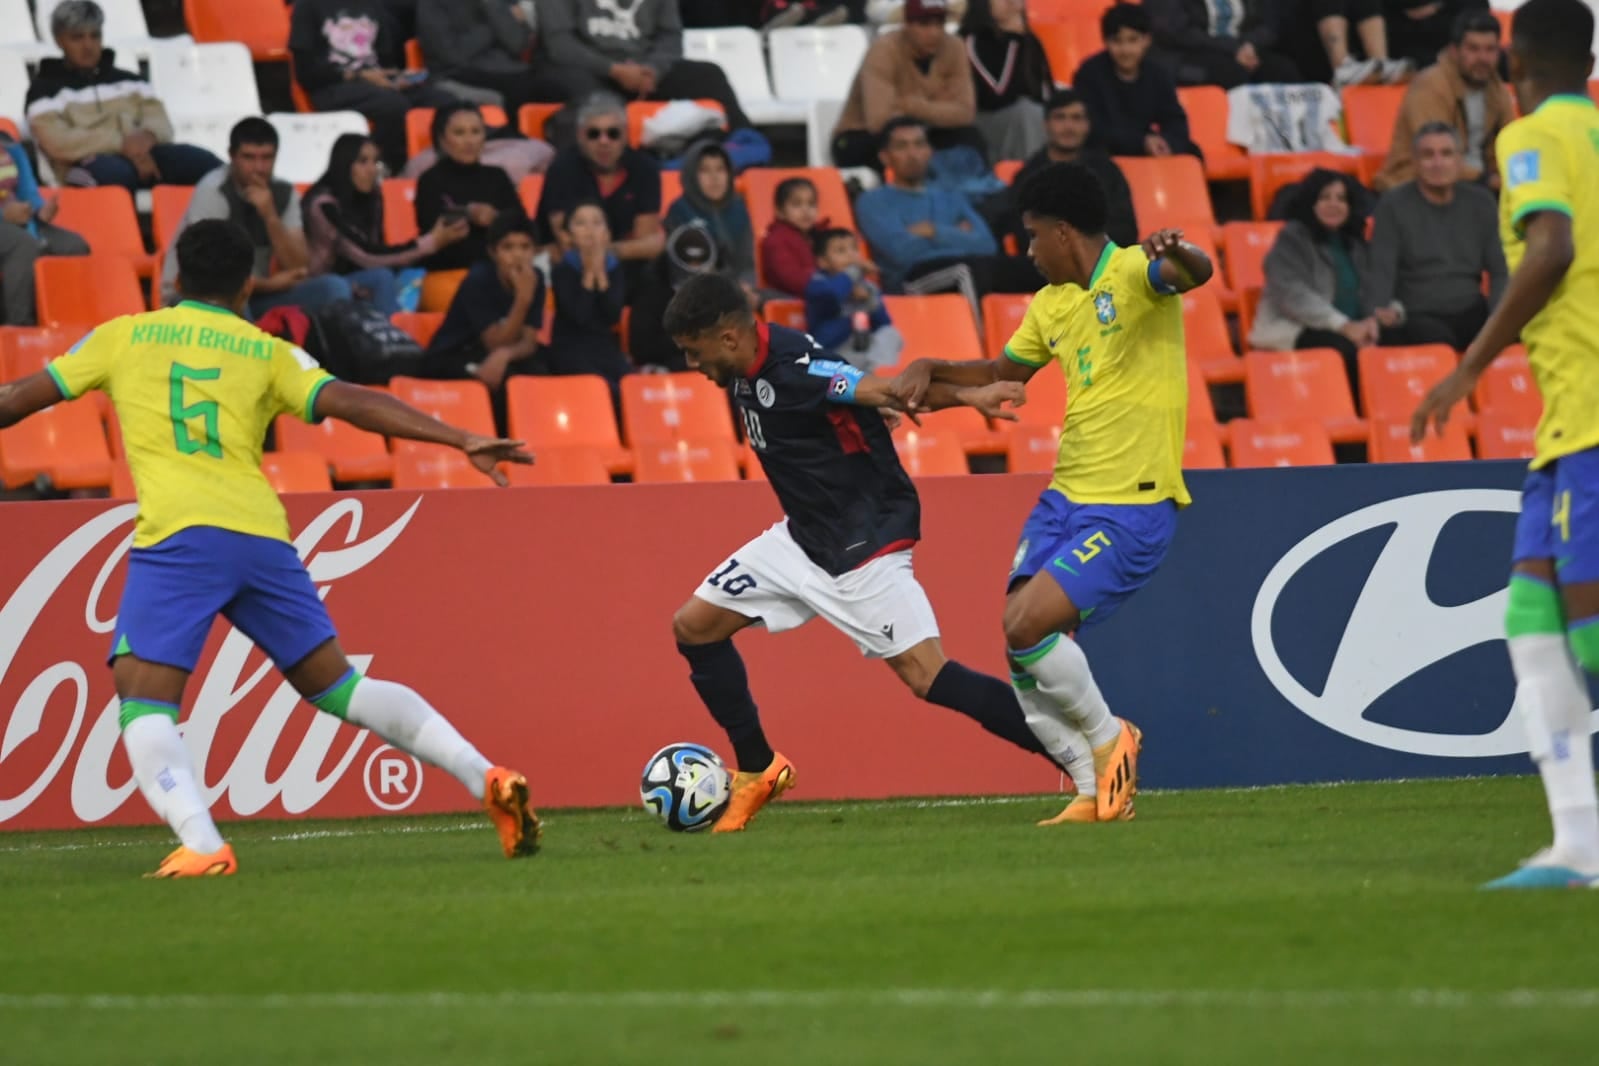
[[919, 72], [1462, 90]]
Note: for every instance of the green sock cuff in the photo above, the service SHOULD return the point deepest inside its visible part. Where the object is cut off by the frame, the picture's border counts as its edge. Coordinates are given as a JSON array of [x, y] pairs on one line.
[[132, 709], [1029, 656], [1584, 638], [1532, 608], [336, 700]]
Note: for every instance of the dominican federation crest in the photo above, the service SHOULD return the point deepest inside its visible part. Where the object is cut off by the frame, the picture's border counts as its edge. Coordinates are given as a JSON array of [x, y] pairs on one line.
[[1105, 308]]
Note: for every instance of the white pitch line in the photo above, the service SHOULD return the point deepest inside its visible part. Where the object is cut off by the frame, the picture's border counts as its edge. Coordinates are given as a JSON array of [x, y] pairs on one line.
[[1564, 999]]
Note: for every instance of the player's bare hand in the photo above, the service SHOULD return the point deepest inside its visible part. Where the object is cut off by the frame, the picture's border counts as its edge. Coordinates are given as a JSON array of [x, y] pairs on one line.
[[1436, 406], [910, 385], [893, 419], [1162, 241], [487, 453], [991, 400]]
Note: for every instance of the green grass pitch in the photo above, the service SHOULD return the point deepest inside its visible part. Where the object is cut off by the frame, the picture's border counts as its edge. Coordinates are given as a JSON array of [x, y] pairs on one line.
[[1305, 926]]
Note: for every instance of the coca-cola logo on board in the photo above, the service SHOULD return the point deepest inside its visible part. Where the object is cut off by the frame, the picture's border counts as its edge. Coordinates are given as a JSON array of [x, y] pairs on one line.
[[218, 686]]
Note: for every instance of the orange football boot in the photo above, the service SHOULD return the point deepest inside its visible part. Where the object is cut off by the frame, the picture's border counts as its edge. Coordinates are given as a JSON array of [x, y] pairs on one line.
[[752, 791], [188, 863], [1116, 768], [505, 798]]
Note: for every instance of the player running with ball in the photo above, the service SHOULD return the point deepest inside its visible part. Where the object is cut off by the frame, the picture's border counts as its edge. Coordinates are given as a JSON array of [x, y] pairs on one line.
[[196, 387], [1549, 223], [1113, 320]]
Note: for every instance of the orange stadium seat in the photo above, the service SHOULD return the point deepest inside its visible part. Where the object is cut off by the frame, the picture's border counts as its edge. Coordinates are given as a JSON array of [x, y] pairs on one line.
[[1209, 345], [1505, 434], [566, 413], [930, 453], [262, 25], [1390, 443], [64, 444], [672, 407], [1006, 169], [1506, 387], [671, 188], [1202, 447], [296, 472], [966, 425], [1169, 192], [122, 482], [1206, 106], [1206, 241], [684, 460], [430, 466], [419, 126], [1067, 40], [790, 313], [1002, 316], [399, 210], [354, 454], [1393, 380], [1371, 112], [86, 290], [639, 111], [1046, 398], [27, 350], [421, 325], [460, 403], [532, 117], [1289, 442], [1032, 448], [438, 289], [935, 327], [414, 59], [760, 194], [1201, 409], [1245, 245], [1306, 384], [531, 190], [106, 218], [1270, 171], [168, 203], [562, 466]]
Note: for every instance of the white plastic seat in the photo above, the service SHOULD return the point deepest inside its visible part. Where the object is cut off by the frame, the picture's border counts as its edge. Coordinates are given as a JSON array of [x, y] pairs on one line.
[[206, 79], [816, 63], [306, 141], [207, 131], [737, 50]]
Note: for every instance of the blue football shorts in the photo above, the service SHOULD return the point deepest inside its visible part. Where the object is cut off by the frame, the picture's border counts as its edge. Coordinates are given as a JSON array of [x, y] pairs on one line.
[[1100, 553], [1560, 517], [176, 588]]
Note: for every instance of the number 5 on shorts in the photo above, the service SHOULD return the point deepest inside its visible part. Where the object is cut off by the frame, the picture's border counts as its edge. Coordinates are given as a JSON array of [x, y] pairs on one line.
[[1091, 546], [206, 410]]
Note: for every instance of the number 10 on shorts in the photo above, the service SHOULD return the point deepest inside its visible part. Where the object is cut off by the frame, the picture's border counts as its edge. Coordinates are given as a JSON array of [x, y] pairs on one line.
[[729, 582]]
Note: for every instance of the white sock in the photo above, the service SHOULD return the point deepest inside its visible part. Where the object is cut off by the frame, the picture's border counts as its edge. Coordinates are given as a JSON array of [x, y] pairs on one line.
[[1552, 698], [1063, 675], [1065, 743], [165, 773], [409, 722]]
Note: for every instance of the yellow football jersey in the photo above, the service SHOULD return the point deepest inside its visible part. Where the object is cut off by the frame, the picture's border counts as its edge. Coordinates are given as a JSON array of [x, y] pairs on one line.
[[195, 389], [1120, 345], [1543, 158]]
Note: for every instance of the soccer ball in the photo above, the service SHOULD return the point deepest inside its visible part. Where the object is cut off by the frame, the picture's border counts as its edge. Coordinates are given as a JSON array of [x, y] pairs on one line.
[[686, 786]]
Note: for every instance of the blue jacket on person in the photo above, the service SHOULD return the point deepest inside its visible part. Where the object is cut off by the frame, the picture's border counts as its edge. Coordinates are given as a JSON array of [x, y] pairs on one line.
[[885, 215], [829, 307]]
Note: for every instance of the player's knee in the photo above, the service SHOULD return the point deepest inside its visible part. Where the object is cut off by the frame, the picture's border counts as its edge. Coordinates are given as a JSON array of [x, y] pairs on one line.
[[1024, 627], [918, 667], [690, 626]]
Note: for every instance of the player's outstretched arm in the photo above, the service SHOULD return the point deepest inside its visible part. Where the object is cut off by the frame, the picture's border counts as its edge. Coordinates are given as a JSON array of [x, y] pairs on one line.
[[990, 399], [1179, 265], [911, 385], [1549, 254], [382, 413], [22, 398]]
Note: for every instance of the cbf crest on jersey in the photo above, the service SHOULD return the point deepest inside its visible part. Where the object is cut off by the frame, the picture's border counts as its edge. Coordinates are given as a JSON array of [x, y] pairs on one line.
[[1105, 308]]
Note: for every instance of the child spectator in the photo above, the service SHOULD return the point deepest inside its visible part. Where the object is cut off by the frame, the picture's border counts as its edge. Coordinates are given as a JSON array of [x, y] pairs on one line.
[[491, 329], [709, 197], [844, 310], [589, 296], [788, 256], [1133, 103]]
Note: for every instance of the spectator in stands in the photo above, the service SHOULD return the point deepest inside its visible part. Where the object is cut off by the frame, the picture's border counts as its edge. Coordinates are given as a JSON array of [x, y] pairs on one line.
[[1011, 76], [1419, 29], [635, 48], [1205, 43], [461, 186], [920, 72], [1318, 36], [1434, 239], [98, 125], [27, 231], [1132, 101], [481, 44], [1320, 290], [778, 14], [844, 309], [627, 183], [349, 56], [590, 293], [710, 200], [1462, 89], [344, 226], [929, 238], [245, 192], [788, 257], [1067, 128], [491, 330]]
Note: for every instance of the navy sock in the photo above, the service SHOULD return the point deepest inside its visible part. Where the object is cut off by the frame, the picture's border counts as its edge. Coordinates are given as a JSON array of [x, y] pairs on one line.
[[988, 701], [717, 671]]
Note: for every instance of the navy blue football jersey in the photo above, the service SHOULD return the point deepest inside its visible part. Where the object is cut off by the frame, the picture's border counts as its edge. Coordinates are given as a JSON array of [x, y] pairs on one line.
[[831, 462]]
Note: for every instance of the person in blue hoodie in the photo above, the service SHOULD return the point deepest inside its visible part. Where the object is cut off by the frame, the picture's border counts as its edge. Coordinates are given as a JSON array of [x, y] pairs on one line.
[[26, 233], [927, 237], [844, 310]]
